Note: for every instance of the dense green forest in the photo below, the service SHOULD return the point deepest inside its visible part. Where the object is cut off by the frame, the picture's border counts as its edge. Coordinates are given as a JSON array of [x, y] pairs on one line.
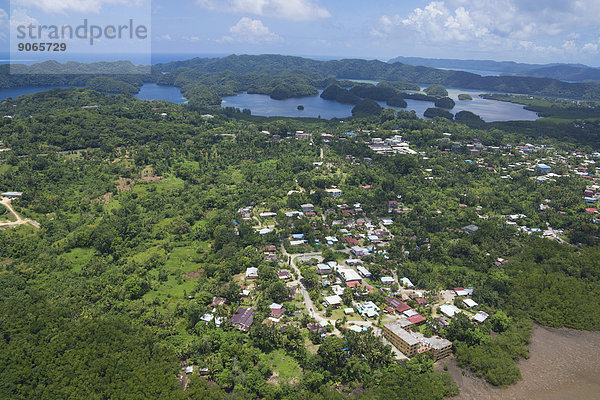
[[376, 70], [280, 77], [140, 230]]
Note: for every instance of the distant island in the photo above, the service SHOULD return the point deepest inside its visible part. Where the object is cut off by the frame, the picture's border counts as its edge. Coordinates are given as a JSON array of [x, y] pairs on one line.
[[205, 81], [566, 72]]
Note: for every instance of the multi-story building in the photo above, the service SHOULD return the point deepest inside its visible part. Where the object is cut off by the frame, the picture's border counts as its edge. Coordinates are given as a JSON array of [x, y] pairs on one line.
[[401, 339]]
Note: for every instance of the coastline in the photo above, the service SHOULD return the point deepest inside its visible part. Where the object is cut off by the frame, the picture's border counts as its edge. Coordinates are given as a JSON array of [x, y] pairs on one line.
[[563, 364]]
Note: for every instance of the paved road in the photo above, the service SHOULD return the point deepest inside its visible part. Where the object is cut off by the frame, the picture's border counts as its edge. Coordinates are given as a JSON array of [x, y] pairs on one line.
[[307, 300], [19, 221]]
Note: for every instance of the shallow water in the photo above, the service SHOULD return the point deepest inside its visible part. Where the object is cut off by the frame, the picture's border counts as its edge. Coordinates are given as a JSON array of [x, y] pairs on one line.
[[563, 364]]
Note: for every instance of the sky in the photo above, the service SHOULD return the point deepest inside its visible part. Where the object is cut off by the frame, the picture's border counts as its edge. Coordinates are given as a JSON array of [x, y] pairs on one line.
[[530, 31]]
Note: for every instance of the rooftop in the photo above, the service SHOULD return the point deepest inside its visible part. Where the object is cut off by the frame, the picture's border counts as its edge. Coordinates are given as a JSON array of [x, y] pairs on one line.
[[396, 328]]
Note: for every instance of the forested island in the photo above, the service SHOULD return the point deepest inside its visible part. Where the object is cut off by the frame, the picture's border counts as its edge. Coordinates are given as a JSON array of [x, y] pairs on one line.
[[156, 250], [203, 80]]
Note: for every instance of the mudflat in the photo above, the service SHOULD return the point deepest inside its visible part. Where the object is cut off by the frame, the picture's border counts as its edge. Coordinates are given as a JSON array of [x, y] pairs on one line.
[[563, 364]]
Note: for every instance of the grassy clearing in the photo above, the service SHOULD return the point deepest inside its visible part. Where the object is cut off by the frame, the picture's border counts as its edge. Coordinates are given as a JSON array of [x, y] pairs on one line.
[[175, 288], [180, 259], [4, 168], [78, 257], [283, 365]]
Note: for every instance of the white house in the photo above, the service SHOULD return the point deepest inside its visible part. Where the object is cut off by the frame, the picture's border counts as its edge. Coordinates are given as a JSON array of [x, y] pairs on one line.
[[333, 301], [387, 280], [251, 273], [406, 282], [480, 317], [364, 272], [470, 303], [331, 239], [449, 310], [349, 275]]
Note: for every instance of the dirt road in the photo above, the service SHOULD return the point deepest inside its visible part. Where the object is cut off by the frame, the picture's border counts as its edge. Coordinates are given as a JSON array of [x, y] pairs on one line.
[[19, 221]]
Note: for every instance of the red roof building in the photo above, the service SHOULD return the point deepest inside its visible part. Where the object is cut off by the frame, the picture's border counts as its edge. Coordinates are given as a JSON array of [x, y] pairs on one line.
[[421, 301], [353, 284], [277, 312], [417, 319], [397, 304], [351, 241]]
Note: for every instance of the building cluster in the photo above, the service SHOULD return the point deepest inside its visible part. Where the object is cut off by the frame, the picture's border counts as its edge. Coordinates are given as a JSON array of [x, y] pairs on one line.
[[393, 145]]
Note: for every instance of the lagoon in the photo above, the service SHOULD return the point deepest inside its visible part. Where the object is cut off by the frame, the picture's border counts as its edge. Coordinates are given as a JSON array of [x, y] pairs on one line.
[[149, 91], [152, 91], [315, 107]]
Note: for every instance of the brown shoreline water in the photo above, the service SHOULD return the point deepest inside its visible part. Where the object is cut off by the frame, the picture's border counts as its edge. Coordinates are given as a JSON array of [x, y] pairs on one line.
[[563, 364]]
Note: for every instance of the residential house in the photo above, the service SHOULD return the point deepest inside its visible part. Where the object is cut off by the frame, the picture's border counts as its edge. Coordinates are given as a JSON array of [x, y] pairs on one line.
[[217, 301], [470, 303], [349, 276], [359, 251], [277, 310], [284, 274], [406, 282], [307, 207], [470, 229], [363, 271], [351, 241], [12, 195], [334, 193], [368, 309], [323, 269], [333, 301], [398, 305], [387, 280], [449, 310], [252, 273], [243, 318], [480, 317], [543, 168]]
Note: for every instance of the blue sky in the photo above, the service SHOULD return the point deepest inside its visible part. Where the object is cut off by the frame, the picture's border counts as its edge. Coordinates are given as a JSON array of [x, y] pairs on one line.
[[517, 30]]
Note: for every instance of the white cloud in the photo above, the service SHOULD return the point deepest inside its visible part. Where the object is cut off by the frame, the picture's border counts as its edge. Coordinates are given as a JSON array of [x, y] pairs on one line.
[[20, 17], [569, 46], [296, 10], [80, 6], [590, 48], [250, 31], [3, 24], [554, 26]]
